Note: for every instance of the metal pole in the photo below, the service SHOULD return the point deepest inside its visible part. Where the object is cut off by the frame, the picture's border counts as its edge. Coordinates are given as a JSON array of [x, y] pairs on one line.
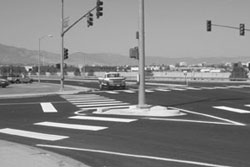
[[62, 58], [141, 97], [39, 66]]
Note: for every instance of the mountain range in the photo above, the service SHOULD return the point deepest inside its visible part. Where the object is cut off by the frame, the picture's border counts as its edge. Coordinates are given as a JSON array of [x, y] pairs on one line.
[[10, 55]]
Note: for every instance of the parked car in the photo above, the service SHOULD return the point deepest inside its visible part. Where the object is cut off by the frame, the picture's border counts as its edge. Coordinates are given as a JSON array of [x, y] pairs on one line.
[[3, 82]]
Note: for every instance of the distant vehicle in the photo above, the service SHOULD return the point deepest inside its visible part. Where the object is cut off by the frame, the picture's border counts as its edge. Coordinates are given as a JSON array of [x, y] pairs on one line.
[[14, 78], [26, 79], [3, 82], [19, 79], [112, 80]]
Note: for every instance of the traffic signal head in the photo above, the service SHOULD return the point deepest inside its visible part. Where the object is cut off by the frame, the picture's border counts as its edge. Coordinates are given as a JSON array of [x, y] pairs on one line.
[[90, 20], [242, 29], [99, 8], [209, 25], [134, 53], [66, 53]]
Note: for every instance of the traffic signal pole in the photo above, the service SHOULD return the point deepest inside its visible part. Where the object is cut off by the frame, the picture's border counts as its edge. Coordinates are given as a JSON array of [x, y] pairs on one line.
[[63, 32], [62, 50], [141, 96]]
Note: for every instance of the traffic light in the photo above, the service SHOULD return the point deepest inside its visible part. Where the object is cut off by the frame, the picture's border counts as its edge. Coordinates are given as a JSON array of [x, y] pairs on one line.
[[90, 19], [242, 29], [99, 8], [209, 25], [134, 53], [66, 53]]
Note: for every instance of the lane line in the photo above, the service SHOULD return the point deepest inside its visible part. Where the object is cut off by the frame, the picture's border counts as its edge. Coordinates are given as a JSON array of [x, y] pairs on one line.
[[192, 88], [179, 89], [48, 107], [124, 120], [148, 91], [192, 121], [128, 91], [71, 126], [134, 155], [163, 90], [111, 92], [34, 135], [210, 116], [210, 88], [241, 111]]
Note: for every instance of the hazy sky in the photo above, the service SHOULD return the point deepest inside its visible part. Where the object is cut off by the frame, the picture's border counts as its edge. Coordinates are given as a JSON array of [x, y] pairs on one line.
[[174, 28]]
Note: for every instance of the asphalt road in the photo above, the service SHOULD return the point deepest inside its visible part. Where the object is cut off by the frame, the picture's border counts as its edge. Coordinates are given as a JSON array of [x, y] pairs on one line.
[[213, 130]]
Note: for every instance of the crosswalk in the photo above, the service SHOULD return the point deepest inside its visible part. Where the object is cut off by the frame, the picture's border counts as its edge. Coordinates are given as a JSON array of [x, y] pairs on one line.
[[179, 88], [76, 122], [93, 101], [89, 122]]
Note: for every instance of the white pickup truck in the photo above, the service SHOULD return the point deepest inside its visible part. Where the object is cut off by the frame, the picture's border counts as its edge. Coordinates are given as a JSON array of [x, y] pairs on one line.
[[112, 80]]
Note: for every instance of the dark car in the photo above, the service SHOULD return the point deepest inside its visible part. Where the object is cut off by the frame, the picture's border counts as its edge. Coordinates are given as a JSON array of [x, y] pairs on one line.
[[26, 80], [3, 83]]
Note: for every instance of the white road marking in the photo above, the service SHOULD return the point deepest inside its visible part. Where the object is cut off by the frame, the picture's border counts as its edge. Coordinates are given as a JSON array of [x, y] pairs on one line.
[[128, 91], [179, 89], [134, 156], [210, 88], [124, 120], [220, 87], [232, 109], [118, 106], [97, 105], [149, 91], [111, 92], [71, 126], [163, 90], [92, 100], [210, 116], [98, 102], [34, 135], [48, 107], [192, 88], [192, 121], [84, 98]]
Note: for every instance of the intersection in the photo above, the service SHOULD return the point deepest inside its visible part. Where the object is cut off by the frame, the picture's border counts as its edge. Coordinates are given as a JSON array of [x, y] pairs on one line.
[[211, 122]]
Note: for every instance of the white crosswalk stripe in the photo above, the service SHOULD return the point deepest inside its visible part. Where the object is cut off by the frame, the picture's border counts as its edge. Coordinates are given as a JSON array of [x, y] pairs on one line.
[[71, 126], [30, 134], [110, 119]]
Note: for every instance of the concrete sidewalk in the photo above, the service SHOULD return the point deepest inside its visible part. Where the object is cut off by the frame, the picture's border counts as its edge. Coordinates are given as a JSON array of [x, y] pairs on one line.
[[36, 89], [17, 155]]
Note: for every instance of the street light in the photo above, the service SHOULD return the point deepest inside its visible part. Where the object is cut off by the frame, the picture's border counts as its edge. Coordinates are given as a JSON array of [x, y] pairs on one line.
[[39, 64]]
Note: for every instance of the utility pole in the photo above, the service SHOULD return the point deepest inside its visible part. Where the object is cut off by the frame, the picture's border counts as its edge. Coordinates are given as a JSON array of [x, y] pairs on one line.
[[62, 49], [141, 97]]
